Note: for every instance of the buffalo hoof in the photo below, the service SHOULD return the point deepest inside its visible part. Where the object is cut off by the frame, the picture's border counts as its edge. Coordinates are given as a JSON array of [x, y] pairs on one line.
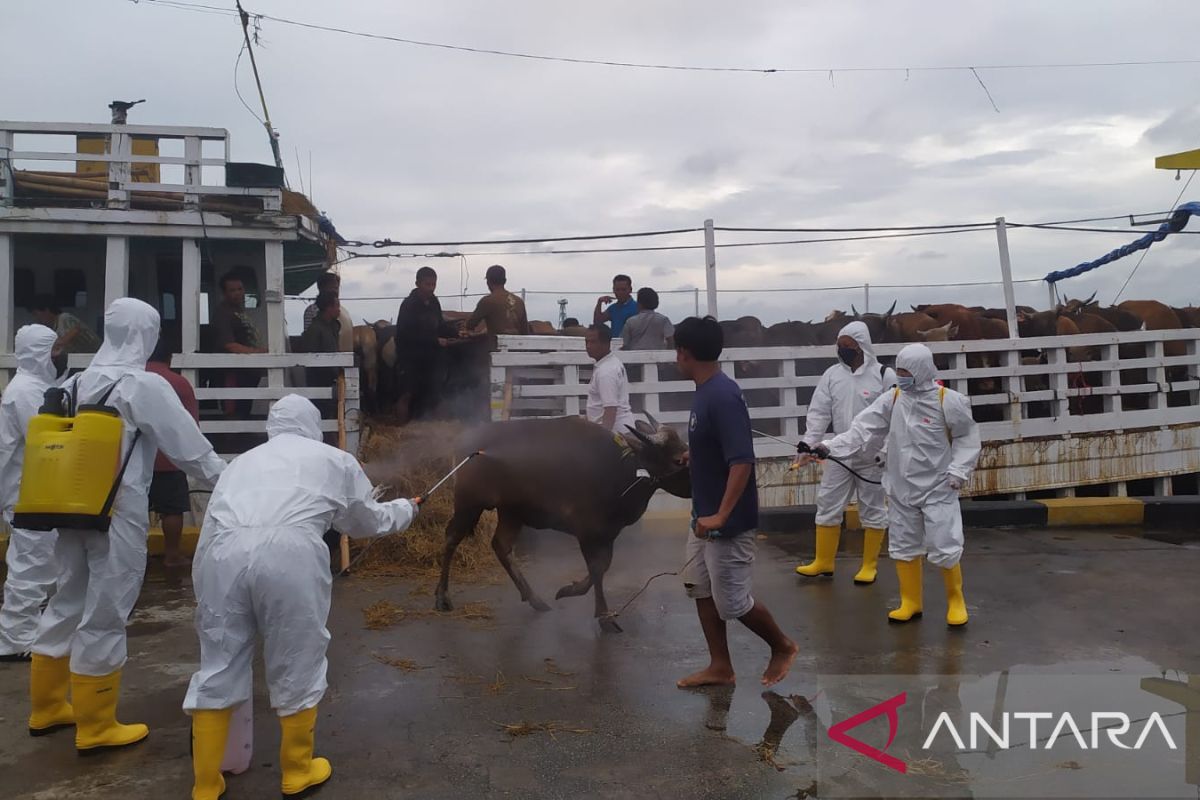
[[539, 604], [573, 590], [609, 625], [442, 603]]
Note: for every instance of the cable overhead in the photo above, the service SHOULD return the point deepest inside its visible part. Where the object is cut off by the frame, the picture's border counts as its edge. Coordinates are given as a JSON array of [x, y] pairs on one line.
[[645, 65]]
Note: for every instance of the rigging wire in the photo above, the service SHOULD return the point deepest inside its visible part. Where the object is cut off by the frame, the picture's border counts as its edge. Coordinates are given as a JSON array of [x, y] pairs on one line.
[[1147, 250]]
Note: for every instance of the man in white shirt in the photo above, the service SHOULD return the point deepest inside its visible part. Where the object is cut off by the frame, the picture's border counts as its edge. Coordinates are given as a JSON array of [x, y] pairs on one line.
[[608, 393]]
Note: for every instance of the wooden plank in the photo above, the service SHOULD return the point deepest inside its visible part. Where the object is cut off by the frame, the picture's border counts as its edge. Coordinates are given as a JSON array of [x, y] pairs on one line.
[[265, 393], [180, 188], [116, 227], [7, 271], [72, 128], [51, 155], [116, 268], [253, 426], [261, 360]]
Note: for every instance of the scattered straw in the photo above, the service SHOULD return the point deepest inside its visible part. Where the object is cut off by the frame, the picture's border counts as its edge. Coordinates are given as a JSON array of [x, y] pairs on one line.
[[409, 460], [538, 681], [498, 686], [517, 729], [402, 664], [383, 614], [552, 669]]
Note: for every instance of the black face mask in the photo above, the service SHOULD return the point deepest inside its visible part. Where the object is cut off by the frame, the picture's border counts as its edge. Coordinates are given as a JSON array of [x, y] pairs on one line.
[[848, 355]]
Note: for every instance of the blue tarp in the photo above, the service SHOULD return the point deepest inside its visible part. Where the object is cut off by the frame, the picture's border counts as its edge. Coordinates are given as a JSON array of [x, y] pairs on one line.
[[1179, 219]]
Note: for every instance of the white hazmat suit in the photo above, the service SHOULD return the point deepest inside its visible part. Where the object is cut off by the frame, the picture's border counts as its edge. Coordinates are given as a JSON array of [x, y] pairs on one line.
[[262, 567], [100, 574], [31, 567], [932, 445], [840, 395]]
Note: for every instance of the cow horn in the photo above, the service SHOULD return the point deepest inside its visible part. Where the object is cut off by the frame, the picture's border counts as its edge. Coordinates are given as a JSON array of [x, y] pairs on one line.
[[855, 310], [1089, 301], [653, 422], [892, 309], [643, 438]]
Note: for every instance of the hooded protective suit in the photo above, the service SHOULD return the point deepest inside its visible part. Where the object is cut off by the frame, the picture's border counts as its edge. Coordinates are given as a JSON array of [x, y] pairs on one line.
[[932, 444], [100, 574], [31, 567], [262, 566], [840, 396]]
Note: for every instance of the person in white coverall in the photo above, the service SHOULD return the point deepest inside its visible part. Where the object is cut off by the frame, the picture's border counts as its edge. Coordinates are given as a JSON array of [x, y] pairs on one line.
[[31, 568], [81, 642], [846, 388], [262, 568], [932, 447]]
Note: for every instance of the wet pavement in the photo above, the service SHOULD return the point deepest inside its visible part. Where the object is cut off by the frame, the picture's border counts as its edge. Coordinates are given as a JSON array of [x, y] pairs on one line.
[[1109, 607]]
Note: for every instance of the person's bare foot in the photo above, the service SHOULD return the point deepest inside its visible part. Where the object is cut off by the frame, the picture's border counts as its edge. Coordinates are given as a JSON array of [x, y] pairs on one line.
[[780, 664], [709, 676]]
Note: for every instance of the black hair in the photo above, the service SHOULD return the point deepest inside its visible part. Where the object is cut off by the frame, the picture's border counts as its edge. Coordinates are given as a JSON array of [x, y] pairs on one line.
[[702, 338], [625, 278], [45, 302], [326, 300], [233, 275], [327, 280], [426, 272], [647, 298], [570, 322], [603, 333], [496, 274]]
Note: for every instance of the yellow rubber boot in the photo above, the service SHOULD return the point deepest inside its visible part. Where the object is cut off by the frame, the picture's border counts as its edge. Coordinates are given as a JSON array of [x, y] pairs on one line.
[[49, 683], [956, 606], [872, 542], [300, 770], [909, 573], [827, 545], [210, 729], [96, 726]]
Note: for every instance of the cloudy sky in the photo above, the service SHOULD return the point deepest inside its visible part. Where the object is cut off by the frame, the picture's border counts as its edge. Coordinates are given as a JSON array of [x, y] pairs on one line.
[[424, 144]]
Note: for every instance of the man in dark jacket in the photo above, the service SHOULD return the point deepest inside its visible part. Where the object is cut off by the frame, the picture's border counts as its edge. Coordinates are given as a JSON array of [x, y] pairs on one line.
[[322, 337], [421, 336]]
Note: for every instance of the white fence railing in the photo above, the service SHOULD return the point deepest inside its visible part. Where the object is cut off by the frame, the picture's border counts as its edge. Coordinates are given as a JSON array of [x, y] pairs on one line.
[[1049, 420], [121, 160], [276, 382]]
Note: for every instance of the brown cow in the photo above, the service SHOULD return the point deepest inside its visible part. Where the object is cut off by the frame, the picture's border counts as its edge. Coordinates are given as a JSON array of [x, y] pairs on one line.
[[963, 318], [906, 327]]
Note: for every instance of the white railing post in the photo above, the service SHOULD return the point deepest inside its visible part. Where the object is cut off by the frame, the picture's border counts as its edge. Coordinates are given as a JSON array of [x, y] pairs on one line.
[[1158, 375], [116, 269], [650, 400], [1053, 296], [710, 267], [192, 173], [120, 147], [697, 292], [571, 380], [866, 298], [1010, 303], [189, 302], [272, 295], [1058, 382], [789, 398], [7, 298], [6, 175]]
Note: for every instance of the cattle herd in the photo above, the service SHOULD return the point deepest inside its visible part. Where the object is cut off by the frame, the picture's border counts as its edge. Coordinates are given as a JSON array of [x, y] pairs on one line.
[[466, 373]]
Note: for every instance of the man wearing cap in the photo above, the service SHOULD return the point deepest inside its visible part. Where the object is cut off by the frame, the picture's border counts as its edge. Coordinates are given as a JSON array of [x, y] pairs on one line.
[[502, 311]]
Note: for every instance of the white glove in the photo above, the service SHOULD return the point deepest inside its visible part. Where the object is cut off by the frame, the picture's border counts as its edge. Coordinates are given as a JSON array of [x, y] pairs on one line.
[[954, 482]]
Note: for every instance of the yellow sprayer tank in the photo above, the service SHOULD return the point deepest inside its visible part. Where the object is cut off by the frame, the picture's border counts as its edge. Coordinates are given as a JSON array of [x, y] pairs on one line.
[[70, 467]]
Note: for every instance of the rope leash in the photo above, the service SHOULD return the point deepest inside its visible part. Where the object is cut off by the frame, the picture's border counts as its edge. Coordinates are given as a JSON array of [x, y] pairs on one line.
[[646, 585]]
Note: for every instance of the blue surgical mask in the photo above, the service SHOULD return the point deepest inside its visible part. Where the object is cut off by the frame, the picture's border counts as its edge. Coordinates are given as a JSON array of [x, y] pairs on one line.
[[905, 382]]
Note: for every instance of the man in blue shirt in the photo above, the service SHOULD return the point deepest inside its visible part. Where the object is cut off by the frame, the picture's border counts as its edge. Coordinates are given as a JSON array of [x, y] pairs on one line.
[[721, 548], [621, 305]]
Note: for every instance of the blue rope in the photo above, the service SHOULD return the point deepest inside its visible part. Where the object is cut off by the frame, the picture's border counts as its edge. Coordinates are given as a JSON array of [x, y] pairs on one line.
[[1177, 222]]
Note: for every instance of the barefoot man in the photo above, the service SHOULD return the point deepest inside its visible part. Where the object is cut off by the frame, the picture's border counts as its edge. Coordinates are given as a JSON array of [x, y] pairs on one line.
[[724, 511]]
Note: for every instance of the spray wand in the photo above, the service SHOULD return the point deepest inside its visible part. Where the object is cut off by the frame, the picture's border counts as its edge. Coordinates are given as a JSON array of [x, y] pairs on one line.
[[821, 453], [416, 501]]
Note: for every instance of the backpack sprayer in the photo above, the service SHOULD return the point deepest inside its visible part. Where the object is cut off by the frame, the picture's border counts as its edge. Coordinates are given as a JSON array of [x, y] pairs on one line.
[[73, 466], [417, 501]]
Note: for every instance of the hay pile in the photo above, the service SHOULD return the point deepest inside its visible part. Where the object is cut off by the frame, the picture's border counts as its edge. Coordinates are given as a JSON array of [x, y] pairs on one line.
[[409, 460]]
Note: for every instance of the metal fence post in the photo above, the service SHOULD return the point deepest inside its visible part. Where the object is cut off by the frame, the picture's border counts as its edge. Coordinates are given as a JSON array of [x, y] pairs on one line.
[[1010, 304], [710, 267]]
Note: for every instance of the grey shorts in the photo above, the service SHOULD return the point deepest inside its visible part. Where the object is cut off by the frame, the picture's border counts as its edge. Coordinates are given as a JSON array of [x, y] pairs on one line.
[[723, 571]]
